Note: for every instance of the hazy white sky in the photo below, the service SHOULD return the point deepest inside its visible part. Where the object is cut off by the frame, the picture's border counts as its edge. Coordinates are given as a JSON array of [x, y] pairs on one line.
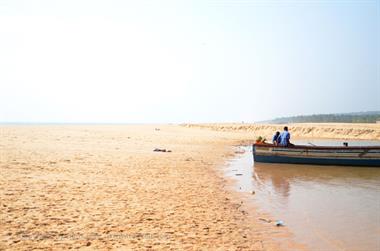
[[186, 61]]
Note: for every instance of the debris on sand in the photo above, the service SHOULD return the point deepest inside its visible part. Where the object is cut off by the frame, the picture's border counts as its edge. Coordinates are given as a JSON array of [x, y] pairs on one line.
[[265, 220], [240, 151], [279, 223], [162, 150]]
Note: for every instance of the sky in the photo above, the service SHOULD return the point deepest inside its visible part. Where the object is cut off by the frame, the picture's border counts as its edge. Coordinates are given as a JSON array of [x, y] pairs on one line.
[[111, 61]]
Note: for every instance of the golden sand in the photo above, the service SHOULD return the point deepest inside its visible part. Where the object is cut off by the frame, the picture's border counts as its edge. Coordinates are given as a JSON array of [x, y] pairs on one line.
[[302, 130], [103, 187]]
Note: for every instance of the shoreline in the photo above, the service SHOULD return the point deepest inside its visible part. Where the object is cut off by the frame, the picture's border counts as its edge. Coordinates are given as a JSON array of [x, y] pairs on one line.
[[107, 186], [289, 194], [281, 238], [344, 131]]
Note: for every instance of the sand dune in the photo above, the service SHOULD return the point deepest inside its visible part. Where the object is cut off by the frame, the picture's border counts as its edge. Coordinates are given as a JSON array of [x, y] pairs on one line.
[[302, 130], [103, 187]]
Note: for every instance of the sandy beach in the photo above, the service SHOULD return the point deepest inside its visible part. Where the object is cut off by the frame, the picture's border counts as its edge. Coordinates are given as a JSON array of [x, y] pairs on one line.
[[103, 187], [302, 130]]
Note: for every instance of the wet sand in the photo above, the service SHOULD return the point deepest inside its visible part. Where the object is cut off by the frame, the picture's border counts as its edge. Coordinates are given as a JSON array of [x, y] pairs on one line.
[[103, 187]]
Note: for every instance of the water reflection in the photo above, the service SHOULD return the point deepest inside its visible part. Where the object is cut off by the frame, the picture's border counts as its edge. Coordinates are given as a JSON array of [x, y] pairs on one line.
[[265, 176], [326, 207], [281, 175]]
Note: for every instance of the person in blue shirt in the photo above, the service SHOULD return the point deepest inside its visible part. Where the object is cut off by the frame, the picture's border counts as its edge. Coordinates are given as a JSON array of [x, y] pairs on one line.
[[285, 138], [276, 138]]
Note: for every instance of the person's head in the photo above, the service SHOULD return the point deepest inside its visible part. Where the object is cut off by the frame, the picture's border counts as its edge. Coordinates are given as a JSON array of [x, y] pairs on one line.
[[277, 133], [285, 128]]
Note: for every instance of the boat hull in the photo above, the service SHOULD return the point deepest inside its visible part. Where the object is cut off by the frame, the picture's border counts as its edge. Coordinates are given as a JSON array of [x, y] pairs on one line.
[[344, 156]]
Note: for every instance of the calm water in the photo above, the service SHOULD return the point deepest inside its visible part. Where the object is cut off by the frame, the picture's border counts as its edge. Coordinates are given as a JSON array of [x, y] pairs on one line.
[[326, 207]]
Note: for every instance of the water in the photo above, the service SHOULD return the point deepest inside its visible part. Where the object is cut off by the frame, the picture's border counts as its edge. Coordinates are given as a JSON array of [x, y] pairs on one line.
[[326, 207]]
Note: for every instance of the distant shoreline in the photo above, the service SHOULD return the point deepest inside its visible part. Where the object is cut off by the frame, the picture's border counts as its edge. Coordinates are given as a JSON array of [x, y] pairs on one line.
[[347, 131], [344, 131]]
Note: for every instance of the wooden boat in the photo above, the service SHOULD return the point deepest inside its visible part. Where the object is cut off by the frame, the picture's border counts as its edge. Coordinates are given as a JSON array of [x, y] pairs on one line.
[[318, 155]]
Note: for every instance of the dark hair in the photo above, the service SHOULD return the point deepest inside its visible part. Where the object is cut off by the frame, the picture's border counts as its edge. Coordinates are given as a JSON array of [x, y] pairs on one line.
[[285, 128], [277, 133]]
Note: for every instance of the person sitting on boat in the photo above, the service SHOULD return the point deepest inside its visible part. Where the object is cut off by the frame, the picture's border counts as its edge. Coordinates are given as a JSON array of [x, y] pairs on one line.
[[276, 138], [285, 138]]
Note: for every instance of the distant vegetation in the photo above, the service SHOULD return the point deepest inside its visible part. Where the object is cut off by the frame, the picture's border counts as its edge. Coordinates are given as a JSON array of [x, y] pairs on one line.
[[357, 117]]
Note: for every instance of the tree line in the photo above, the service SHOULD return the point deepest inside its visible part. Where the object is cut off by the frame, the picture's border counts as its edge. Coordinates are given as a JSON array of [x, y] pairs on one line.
[[365, 117]]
